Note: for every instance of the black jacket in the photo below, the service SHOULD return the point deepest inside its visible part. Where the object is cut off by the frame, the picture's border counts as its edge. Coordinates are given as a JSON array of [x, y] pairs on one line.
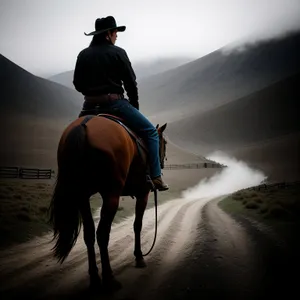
[[102, 69]]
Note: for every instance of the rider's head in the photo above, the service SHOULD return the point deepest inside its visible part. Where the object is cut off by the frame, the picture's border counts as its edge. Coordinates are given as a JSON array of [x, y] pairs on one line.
[[106, 28], [112, 36]]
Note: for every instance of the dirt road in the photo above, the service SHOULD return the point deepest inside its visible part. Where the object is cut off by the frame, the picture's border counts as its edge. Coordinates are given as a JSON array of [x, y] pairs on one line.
[[200, 253]]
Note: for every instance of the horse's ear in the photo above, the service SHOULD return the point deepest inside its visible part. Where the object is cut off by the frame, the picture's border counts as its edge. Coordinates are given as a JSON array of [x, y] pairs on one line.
[[162, 129], [157, 126]]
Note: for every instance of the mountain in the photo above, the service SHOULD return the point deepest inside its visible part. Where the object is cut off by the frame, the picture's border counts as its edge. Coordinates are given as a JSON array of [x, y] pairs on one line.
[[266, 114], [145, 69], [219, 78], [64, 78], [248, 127], [24, 93], [33, 112], [142, 69]]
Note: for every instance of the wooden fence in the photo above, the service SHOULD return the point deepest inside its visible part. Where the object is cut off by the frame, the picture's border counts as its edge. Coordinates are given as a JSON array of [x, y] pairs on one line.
[[279, 185], [31, 173], [193, 166], [25, 173]]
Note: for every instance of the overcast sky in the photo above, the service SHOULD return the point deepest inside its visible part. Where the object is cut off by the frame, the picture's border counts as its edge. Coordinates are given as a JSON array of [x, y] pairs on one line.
[[44, 37]]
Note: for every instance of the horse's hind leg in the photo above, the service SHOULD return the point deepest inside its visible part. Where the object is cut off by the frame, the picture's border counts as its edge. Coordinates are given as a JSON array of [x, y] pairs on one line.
[[89, 239], [141, 204], [108, 212]]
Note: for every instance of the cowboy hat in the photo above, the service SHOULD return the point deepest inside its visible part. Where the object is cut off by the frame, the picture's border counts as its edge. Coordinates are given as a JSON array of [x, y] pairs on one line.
[[105, 24]]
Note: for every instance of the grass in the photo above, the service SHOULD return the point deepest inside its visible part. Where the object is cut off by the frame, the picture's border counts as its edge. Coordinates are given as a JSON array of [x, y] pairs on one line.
[[270, 203], [24, 205], [23, 210]]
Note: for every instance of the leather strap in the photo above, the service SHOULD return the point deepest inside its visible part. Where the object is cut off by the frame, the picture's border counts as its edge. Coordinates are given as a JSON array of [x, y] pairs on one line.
[[106, 98]]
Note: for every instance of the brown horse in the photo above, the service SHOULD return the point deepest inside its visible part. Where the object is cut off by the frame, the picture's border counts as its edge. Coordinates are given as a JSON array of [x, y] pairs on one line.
[[98, 155]]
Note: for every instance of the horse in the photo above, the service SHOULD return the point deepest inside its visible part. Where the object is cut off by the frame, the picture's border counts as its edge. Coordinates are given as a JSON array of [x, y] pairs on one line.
[[99, 154]]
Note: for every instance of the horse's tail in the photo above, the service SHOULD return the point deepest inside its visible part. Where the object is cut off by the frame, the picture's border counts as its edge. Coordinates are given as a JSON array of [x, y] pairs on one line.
[[64, 207]]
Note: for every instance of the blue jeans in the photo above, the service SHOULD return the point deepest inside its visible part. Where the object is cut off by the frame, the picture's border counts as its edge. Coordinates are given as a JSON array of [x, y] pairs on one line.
[[140, 125]]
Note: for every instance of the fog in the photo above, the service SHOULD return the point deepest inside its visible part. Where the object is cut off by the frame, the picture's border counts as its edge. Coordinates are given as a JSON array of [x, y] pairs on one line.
[[237, 175], [44, 37]]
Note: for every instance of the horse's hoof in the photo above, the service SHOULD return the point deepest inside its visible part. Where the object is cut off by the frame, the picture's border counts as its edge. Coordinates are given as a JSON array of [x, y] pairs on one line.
[[95, 283], [140, 263], [111, 284]]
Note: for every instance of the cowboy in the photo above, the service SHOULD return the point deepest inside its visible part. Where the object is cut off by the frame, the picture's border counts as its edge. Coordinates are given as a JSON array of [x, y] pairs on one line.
[[100, 70]]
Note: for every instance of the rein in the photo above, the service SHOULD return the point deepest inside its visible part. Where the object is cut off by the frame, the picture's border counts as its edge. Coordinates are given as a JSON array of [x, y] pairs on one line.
[[155, 202]]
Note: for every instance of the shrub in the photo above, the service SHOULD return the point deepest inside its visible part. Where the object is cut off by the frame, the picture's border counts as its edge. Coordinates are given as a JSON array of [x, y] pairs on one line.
[[252, 205]]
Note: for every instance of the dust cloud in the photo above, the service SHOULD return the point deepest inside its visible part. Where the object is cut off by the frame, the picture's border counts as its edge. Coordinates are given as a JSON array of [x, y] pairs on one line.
[[237, 175]]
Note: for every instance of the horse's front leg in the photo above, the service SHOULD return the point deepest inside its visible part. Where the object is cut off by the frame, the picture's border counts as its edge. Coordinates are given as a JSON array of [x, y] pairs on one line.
[[108, 211], [141, 204]]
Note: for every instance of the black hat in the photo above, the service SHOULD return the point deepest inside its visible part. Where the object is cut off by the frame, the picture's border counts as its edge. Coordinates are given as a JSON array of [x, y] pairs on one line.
[[105, 24]]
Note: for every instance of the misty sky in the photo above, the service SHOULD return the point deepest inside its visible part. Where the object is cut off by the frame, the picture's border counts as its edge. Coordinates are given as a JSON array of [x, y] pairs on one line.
[[45, 36]]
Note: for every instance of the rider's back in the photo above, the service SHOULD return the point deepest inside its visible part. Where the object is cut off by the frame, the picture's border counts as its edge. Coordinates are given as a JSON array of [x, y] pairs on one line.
[[101, 69]]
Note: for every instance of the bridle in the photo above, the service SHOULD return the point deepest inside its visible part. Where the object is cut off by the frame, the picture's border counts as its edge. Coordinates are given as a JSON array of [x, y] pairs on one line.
[[162, 150]]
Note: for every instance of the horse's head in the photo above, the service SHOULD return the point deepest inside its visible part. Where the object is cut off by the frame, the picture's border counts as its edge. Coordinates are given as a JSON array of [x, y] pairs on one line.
[[162, 144]]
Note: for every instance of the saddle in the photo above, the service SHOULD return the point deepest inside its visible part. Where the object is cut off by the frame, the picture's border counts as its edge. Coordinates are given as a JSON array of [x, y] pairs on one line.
[[141, 146]]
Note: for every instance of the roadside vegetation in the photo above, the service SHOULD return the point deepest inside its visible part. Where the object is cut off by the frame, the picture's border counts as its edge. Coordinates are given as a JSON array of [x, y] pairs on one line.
[[24, 209], [267, 202]]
